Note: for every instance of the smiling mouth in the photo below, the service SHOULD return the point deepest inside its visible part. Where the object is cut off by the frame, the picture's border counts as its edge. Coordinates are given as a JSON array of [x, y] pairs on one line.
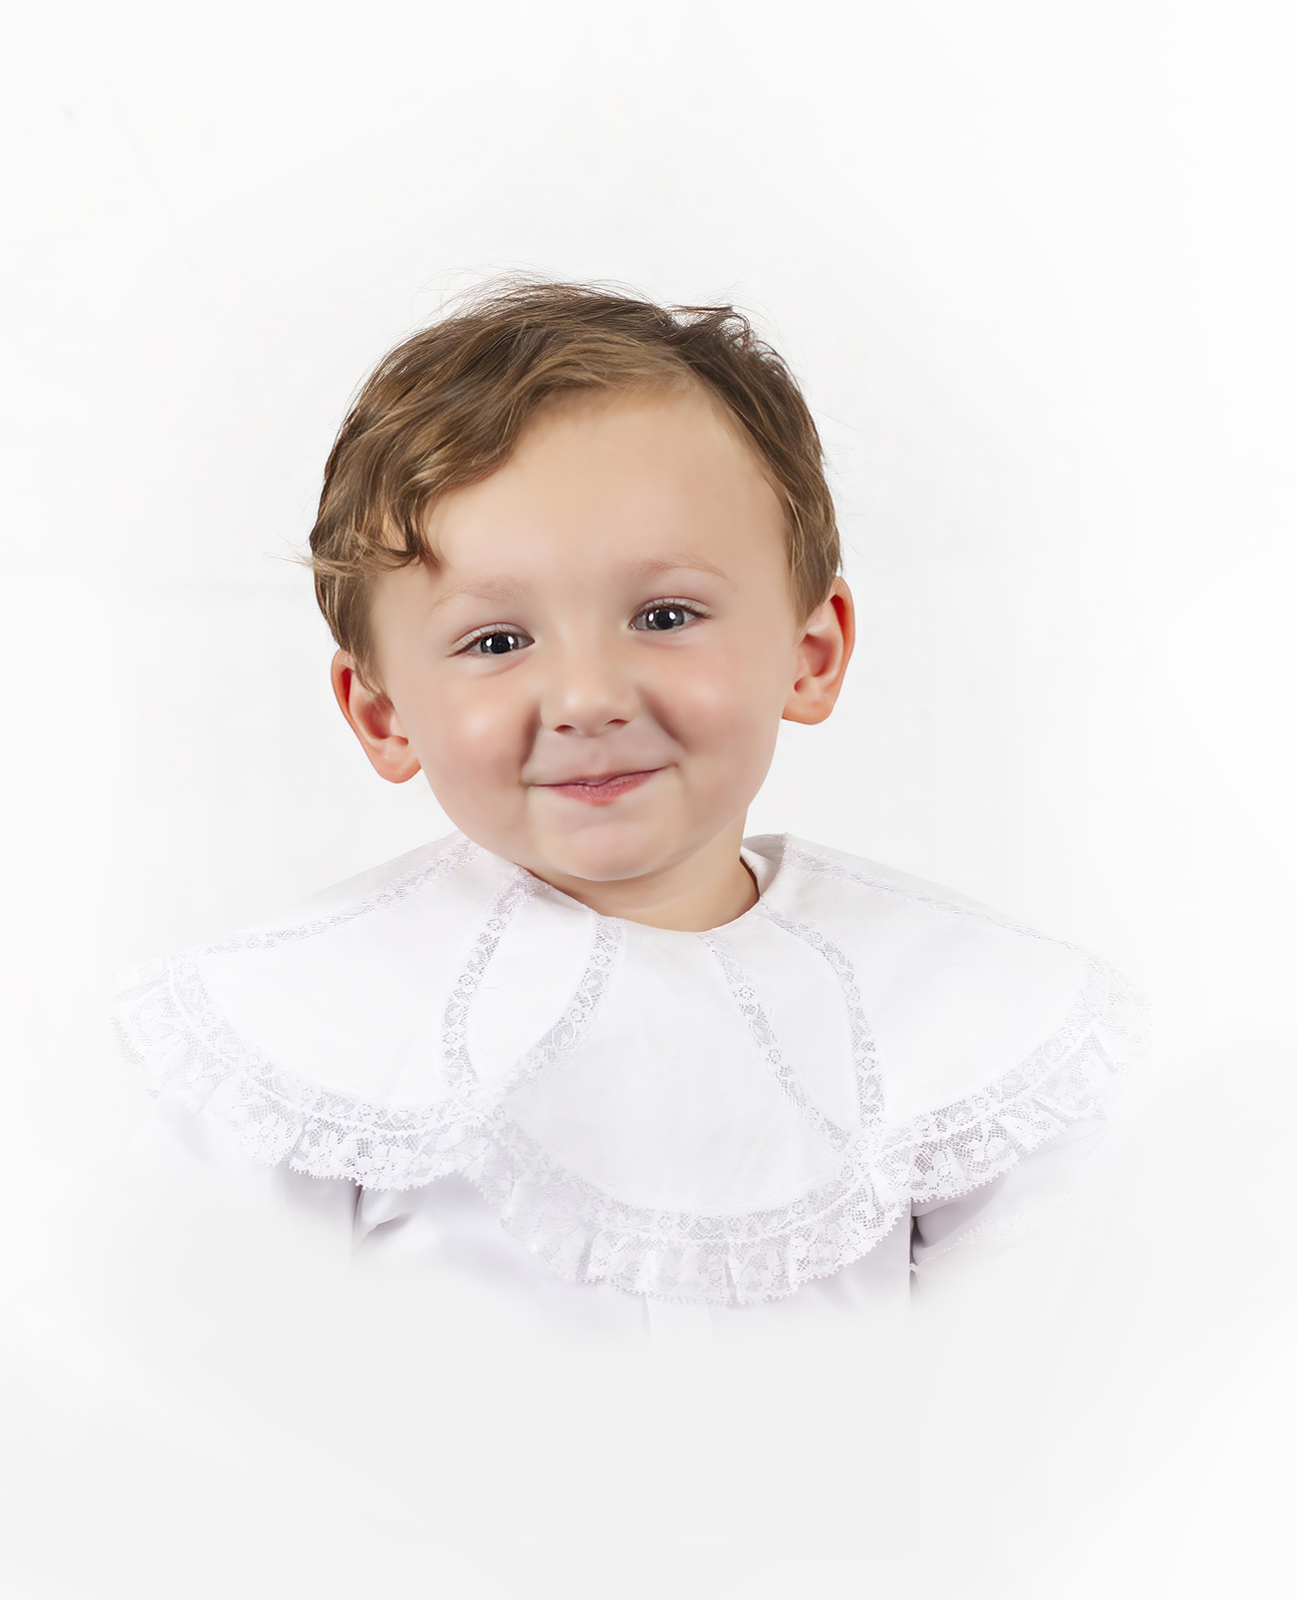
[[600, 791]]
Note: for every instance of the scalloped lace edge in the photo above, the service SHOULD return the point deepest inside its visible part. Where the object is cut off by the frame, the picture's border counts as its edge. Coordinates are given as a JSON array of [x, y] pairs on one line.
[[589, 1236], [748, 1258]]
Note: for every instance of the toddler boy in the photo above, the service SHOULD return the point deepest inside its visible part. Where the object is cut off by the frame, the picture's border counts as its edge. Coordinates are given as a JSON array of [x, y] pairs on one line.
[[580, 560]]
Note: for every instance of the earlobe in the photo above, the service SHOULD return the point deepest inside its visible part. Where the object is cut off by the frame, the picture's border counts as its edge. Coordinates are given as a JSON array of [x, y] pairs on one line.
[[373, 719], [823, 651]]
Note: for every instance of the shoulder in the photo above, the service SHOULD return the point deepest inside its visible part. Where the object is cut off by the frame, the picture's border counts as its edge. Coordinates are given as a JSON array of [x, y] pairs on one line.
[[379, 889], [847, 880], [959, 997], [326, 997]]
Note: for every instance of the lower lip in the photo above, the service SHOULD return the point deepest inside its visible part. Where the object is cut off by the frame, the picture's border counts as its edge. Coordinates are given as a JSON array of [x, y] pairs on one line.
[[605, 792]]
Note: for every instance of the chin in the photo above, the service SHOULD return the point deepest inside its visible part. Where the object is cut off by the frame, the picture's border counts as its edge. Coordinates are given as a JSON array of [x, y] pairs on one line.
[[606, 860]]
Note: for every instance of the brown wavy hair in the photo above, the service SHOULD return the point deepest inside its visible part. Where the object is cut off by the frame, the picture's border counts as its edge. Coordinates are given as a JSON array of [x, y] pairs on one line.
[[446, 407]]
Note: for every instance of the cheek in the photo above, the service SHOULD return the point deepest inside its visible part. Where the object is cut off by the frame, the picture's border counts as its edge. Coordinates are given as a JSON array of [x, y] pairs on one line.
[[465, 736], [726, 703]]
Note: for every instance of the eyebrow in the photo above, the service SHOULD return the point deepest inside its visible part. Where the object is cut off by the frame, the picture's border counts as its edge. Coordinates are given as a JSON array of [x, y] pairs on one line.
[[503, 590], [654, 566], [494, 589]]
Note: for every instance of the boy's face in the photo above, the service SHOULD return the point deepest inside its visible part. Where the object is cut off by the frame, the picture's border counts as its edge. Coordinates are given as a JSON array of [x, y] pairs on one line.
[[593, 678]]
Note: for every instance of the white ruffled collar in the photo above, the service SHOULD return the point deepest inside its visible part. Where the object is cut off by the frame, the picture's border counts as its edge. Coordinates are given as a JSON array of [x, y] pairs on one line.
[[718, 1116]]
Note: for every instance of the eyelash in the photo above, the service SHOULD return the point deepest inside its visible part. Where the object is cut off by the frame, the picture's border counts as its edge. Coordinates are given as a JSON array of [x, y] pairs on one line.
[[664, 604], [489, 633], [669, 604]]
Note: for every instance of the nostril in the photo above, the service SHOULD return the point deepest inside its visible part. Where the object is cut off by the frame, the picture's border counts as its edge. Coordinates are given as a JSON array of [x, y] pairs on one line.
[[596, 727]]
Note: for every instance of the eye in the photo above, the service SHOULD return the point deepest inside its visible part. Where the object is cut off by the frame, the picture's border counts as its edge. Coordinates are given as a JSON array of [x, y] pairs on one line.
[[498, 642], [664, 617]]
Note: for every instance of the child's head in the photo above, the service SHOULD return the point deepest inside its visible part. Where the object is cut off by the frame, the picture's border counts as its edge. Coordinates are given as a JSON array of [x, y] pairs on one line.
[[567, 536]]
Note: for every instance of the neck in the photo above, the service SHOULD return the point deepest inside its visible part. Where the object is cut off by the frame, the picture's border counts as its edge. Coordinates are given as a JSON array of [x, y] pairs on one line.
[[706, 890]]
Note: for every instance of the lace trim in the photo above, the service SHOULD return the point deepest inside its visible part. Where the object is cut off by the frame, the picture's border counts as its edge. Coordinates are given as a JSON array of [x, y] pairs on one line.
[[785, 1074], [869, 1081], [168, 1025], [735, 1259], [459, 1069], [1127, 1013], [869, 1088], [583, 1233], [742, 1258], [942, 1154], [558, 1039], [729, 1260]]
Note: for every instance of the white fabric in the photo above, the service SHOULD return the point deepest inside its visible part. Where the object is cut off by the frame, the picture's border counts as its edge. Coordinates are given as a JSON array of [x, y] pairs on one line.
[[721, 1118]]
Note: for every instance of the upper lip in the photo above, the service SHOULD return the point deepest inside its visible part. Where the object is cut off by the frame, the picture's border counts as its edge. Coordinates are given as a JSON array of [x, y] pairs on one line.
[[595, 777]]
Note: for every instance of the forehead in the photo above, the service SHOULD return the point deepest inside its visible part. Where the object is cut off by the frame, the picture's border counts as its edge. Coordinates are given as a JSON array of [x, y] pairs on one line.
[[598, 474]]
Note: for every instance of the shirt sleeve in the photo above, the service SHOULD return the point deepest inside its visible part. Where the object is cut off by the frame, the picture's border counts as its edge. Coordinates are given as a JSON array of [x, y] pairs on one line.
[[184, 1176], [1021, 1203]]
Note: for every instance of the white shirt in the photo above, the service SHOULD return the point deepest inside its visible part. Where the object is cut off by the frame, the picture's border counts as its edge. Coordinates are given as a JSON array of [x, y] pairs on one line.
[[776, 1120]]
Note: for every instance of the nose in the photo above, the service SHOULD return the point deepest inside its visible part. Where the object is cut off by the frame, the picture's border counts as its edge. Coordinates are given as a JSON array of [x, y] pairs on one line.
[[587, 690]]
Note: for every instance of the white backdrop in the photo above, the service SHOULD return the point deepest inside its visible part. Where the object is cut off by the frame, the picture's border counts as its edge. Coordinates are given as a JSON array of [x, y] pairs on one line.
[[1032, 262]]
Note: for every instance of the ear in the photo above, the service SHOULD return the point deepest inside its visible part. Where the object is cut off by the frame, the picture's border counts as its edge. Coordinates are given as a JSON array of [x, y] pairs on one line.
[[374, 721], [827, 639]]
